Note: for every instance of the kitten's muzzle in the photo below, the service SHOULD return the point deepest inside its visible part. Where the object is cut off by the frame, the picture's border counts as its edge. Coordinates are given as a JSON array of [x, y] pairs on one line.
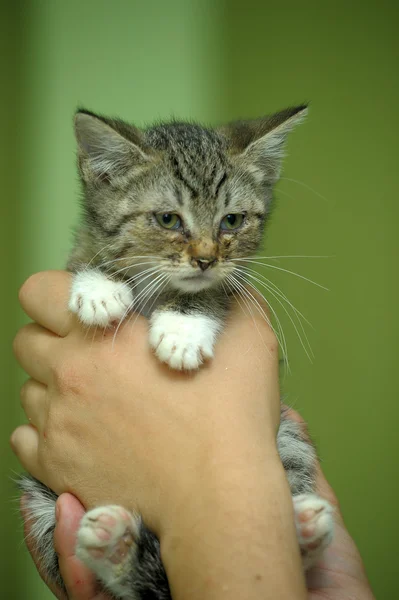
[[204, 263]]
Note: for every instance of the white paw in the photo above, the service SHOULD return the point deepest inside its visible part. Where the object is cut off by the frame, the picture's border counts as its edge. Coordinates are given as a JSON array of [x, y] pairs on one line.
[[106, 542], [183, 341], [314, 525], [98, 300]]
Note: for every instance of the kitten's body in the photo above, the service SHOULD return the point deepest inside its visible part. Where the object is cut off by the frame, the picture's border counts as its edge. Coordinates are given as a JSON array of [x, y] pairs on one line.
[[169, 213]]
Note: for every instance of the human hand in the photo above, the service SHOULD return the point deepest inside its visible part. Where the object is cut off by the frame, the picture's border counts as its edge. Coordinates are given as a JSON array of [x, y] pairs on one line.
[[92, 397], [191, 453], [340, 575], [79, 581]]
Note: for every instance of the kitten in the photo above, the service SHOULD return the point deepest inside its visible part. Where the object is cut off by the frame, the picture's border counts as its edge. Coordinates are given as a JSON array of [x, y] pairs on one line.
[[168, 213]]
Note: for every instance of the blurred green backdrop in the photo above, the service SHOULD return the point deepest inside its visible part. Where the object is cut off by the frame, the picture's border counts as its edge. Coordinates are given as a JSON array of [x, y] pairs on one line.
[[215, 60]]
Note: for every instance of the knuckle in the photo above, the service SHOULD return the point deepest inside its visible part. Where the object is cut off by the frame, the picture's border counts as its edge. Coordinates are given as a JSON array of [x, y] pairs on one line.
[[71, 376]]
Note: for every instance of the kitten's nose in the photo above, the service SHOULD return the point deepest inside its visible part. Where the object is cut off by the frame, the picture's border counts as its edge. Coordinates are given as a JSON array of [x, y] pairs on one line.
[[205, 263]]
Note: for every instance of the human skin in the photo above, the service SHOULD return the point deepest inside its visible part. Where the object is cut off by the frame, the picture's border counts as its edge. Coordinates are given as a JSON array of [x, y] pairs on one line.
[[108, 423], [340, 575], [194, 454]]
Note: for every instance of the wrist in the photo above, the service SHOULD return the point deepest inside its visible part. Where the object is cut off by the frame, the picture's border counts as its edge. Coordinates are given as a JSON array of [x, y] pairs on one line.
[[235, 537], [215, 469]]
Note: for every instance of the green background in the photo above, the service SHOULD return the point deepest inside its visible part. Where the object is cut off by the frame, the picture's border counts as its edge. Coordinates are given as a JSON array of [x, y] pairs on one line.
[[213, 61]]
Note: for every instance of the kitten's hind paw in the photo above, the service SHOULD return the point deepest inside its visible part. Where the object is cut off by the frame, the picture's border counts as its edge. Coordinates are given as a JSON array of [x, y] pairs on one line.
[[314, 525], [106, 543], [98, 300]]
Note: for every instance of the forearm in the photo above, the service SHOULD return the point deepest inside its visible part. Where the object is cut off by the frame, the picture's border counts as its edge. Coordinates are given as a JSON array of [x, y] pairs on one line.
[[236, 539]]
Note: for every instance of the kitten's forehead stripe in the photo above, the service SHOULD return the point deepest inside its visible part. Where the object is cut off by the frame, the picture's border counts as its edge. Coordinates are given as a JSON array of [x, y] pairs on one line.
[[179, 196], [221, 182], [113, 228], [197, 155], [179, 175]]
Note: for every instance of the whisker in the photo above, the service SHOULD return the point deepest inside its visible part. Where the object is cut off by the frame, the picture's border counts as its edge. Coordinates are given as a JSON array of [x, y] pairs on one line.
[[132, 258], [256, 262], [290, 196], [160, 285], [95, 256], [238, 294], [259, 276], [134, 302], [129, 308], [308, 187], [138, 278], [280, 334], [112, 274], [225, 291], [269, 285], [141, 297], [285, 256], [282, 340], [244, 278]]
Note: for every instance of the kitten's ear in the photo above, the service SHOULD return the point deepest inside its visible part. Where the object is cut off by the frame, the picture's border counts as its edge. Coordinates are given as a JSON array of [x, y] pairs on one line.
[[108, 148], [260, 142]]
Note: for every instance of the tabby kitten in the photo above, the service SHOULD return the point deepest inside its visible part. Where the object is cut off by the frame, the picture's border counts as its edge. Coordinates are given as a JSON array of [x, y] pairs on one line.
[[168, 213]]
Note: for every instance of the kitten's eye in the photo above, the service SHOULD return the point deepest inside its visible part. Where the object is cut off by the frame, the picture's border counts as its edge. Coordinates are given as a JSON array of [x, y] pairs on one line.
[[168, 220], [231, 222]]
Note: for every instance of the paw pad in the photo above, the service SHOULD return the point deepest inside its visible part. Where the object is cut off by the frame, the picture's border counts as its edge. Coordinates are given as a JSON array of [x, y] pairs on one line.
[[314, 524], [106, 537]]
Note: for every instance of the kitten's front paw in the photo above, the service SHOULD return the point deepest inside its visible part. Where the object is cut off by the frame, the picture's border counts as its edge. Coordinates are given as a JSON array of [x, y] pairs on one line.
[[106, 543], [183, 341], [98, 300], [314, 525]]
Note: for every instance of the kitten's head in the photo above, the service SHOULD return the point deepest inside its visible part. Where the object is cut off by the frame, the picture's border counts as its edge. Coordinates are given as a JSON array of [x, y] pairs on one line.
[[186, 199]]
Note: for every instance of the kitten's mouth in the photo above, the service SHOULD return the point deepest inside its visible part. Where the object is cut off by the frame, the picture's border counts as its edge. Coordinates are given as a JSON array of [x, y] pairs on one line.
[[196, 276], [194, 283]]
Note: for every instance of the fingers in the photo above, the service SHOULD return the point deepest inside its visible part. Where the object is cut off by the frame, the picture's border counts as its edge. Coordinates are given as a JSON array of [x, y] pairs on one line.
[[34, 403], [34, 348], [25, 443], [32, 547], [79, 581], [44, 298]]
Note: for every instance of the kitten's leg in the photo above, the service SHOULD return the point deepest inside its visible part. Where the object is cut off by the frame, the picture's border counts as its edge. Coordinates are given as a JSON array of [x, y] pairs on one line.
[[39, 510], [107, 544], [183, 331], [98, 300], [313, 515], [314, 525], [124, 555]]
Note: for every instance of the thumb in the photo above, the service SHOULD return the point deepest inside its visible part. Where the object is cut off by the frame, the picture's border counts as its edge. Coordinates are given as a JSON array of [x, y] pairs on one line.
[[79, 581]]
